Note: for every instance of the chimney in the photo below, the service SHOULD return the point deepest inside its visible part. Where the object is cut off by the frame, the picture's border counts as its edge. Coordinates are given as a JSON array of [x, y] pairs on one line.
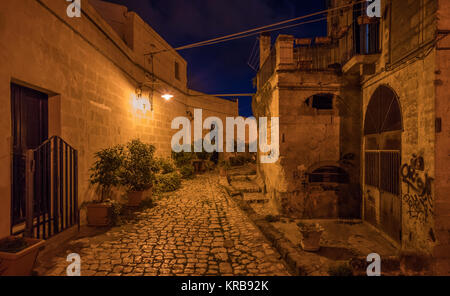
[[264, 47]]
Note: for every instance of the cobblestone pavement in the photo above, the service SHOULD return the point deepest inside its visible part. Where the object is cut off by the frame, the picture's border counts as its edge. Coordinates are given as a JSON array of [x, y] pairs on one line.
[[196, 231]]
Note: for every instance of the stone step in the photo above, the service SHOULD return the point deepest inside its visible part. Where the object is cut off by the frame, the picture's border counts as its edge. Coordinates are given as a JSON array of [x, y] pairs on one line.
[[255, 198], [241, 171], [245, 186], [242, 178], [238, 178]]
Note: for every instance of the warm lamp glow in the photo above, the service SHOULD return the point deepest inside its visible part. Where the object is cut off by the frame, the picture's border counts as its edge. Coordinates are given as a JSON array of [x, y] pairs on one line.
[[141, 103], [167, 97]]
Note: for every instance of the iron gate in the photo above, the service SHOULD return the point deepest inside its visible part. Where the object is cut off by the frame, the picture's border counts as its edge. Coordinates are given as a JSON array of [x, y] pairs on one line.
[[382, 170], [51, 189]]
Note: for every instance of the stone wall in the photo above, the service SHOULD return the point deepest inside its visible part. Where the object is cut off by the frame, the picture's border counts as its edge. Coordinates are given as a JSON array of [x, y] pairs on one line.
[[417, 72], [442, 173], [90, 74], [410, 72], [309, 138], [414, 86]]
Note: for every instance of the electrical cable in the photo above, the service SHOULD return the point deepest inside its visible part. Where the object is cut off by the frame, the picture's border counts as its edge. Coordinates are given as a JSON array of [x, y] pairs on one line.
[[261, 29]]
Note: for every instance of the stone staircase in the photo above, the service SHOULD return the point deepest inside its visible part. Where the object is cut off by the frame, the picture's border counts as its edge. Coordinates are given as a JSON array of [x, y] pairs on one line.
[[243, 181]]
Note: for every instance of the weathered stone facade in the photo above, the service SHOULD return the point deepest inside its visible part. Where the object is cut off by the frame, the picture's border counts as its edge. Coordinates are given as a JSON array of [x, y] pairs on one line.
[[397, 64], [90, 67], [314, 135]]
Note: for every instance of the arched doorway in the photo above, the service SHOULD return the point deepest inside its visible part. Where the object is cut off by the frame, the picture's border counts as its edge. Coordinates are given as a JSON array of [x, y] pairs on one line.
[[382, 135]]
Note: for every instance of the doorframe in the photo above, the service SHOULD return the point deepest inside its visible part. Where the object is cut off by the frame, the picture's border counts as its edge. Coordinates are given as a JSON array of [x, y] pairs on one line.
[[363, 166], [53, 125]]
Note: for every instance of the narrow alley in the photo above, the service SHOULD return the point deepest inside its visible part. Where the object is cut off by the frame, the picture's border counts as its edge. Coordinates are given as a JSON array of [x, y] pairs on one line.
[[196, 230]]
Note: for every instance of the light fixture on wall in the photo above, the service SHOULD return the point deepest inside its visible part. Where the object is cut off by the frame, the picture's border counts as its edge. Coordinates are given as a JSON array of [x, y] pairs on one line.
[[141, 102], [167, 97]]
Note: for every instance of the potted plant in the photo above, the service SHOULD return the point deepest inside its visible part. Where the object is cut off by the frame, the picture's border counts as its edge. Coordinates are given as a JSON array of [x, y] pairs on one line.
[[18, 255], [105, 174], [311, 234], [138, 170]]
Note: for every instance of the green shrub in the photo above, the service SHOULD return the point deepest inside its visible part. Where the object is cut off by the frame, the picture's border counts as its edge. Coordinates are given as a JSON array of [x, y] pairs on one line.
[[139, 166], [116, 212], [203, 155], [106, 170], [182, 158], [187, 171], [166, 165], [167, 182]]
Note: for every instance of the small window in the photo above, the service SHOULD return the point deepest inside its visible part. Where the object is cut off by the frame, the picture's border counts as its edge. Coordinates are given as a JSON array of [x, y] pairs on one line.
[[329, 174], [322, 102], [177, 71]]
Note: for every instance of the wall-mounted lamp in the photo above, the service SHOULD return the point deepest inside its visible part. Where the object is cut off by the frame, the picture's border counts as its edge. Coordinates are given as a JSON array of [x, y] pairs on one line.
[[167, 97], [142, 103]]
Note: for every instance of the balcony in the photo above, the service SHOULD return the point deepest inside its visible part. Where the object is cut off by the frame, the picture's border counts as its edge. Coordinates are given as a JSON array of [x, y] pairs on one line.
[[317, 57], [360, 47], [291, 54], [356, 48]]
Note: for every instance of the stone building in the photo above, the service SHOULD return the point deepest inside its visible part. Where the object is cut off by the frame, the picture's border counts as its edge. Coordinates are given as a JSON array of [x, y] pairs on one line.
[[363, 122], [72, 86]]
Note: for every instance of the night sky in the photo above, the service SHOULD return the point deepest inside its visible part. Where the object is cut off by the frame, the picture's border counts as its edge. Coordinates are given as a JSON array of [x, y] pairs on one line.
[[222, 68]]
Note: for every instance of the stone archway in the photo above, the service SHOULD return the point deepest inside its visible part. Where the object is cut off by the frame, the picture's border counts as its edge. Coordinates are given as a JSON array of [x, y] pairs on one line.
[[382, 141]]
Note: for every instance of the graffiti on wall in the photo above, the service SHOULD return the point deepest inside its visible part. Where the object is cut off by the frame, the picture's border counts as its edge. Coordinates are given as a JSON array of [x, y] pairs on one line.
[[418, 197]]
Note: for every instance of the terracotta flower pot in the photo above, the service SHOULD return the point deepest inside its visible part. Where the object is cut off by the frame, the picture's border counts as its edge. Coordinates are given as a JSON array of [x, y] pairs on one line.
[[99, 214], [135, 198], [311, 238], [22, 262]]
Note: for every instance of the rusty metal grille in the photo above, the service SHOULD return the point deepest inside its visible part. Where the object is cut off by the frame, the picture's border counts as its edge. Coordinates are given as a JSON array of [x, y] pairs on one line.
[[390, 172], [382, 170], [372, 168]]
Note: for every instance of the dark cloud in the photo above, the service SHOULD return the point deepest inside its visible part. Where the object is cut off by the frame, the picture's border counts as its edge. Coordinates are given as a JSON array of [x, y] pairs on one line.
[[221, 68]]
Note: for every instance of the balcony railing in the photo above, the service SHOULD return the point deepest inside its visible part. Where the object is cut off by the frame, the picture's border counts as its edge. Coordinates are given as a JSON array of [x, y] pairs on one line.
[[316, 58], [327, 54]]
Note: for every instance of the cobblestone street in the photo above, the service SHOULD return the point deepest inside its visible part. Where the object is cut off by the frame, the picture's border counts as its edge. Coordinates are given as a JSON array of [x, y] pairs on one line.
[[196, 231]]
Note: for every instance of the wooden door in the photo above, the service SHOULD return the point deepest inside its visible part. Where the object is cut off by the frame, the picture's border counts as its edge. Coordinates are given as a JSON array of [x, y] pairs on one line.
[[29, 115]]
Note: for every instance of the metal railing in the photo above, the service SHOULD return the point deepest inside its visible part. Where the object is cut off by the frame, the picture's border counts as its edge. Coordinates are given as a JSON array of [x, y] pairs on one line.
[[357, 40], [316, 58], [51, 188]]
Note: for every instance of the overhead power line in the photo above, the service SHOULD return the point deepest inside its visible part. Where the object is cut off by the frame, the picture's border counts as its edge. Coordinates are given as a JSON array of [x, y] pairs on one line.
[[254, 33], [264, 28]]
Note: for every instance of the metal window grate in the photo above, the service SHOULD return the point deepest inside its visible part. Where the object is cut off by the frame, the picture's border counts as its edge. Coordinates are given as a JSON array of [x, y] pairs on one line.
[[372, 168], [390, 172]]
